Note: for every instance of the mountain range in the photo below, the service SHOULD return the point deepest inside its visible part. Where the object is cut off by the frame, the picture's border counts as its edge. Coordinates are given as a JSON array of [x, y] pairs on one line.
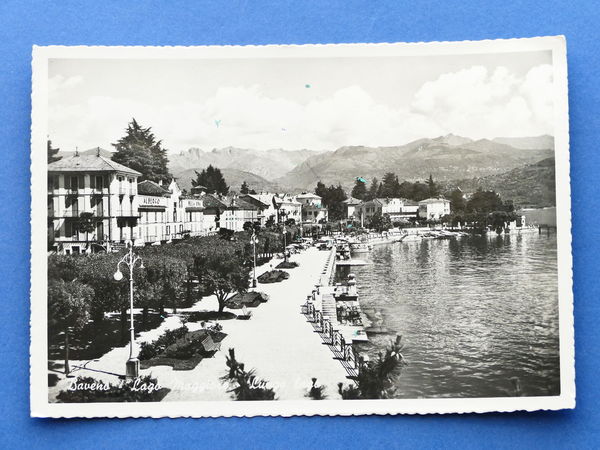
[[447, 158], [529, 185]]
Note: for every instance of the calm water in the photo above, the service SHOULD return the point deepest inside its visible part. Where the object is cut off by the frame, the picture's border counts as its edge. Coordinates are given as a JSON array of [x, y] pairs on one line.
[[478, 315]]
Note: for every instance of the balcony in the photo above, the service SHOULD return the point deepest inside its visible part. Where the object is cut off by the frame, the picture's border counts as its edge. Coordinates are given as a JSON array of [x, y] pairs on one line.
[[127, 213]]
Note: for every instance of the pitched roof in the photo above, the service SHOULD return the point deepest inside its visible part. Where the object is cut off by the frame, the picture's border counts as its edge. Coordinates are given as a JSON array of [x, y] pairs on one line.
[[408, 202], [148, 187], [434, 200], [352, 201], [89, 163], [210, 201], [307, 195], [251, 198]]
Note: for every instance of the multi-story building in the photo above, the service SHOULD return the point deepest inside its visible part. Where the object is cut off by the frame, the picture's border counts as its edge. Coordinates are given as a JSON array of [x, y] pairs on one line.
[[398, 209], [174, 213], [312, 209], [92, 204], [350, 206], [153, 200], [264, 203], [286, 208], [237, 213], [194, 224], [433, 208]]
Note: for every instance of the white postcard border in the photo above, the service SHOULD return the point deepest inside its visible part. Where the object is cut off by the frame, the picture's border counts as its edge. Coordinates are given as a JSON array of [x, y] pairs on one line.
[[40, 407]]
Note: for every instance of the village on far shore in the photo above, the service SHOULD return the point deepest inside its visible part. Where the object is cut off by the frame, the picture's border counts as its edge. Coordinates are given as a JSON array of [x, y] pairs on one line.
[[96, 204]]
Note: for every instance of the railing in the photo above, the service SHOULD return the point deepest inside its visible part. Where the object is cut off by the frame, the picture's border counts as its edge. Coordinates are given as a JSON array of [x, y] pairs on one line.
[[333, 338]]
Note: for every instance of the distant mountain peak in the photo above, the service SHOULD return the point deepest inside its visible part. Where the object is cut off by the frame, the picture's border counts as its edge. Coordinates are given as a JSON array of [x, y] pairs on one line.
[[452, 140]]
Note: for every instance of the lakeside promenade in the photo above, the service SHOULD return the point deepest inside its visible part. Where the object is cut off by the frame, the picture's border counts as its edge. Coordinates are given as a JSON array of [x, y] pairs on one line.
[[277, 342]]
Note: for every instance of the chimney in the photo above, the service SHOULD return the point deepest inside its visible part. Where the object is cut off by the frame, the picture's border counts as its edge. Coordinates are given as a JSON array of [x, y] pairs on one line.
[[97, 151], [76, 151]]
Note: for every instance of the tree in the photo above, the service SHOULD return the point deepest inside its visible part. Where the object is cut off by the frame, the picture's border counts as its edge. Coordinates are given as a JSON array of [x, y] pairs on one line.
[[245, 385], [86, 224], [373, 189], [432, 188], [222, 273], [68, 308], [457, 200], [321, 190], [484, 202], [244, 189], [390, 187], [420, 191], [139, 150], [212, 179], [380, 222], [52, 153], [333, 200], [376, 378], [405, 190], [359, 191]]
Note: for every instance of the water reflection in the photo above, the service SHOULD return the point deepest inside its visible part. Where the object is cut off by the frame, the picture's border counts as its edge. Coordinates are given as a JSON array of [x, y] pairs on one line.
[[478, 315]]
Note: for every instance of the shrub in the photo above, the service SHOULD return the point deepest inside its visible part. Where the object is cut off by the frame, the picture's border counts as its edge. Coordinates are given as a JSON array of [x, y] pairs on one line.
[[274, 276], [245, 385], [152, 349], [316, 392], [287, 265], [376, 378]]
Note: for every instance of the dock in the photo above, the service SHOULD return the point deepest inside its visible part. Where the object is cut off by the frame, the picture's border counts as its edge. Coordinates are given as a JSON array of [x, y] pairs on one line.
[[334, 312]]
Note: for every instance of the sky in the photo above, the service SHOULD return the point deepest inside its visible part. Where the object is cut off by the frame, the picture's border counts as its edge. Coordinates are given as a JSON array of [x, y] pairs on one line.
[[299, 103]]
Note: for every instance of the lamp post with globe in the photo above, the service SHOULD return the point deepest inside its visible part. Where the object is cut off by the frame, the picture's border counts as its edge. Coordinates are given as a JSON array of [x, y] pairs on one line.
[[253, 240], [132, 367]]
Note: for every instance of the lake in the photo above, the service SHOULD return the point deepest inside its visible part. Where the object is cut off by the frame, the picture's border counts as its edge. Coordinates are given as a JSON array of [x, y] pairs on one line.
[[478, 314]]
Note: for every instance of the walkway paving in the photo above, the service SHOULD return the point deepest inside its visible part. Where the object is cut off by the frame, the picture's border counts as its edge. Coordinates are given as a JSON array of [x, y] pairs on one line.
[[277, 342]]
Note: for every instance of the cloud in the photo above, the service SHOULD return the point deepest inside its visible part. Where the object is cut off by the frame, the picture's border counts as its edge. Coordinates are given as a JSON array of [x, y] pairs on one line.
[[473, 102], [478, 103]]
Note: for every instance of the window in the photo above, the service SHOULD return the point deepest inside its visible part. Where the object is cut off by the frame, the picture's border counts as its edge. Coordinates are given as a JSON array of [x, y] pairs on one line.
[[168, 229], [74, 183], [70, 229], [99, 179]]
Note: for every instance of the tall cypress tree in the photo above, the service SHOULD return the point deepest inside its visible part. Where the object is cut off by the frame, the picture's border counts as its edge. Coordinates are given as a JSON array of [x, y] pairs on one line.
[[212, 179], [140, 150], [359, 191], [52, 153]]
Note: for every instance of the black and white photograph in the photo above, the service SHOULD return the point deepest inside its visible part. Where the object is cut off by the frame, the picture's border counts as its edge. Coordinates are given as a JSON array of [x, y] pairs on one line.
[[301, 230]]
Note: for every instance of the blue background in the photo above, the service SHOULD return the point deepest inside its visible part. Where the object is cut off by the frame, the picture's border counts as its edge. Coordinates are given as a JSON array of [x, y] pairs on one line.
[[24, 23]]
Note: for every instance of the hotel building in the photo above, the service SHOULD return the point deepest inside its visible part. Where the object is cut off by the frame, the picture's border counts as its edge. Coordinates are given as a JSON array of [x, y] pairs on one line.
[[92, 204]]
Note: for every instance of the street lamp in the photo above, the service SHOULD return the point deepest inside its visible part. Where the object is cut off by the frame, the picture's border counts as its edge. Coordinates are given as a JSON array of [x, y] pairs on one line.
[[132, 367], [253, 241], [285, 258]]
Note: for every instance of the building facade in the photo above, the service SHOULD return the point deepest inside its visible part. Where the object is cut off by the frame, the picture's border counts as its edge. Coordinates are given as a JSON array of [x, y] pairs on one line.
[[433, 208], [313, 210], [92, 204]]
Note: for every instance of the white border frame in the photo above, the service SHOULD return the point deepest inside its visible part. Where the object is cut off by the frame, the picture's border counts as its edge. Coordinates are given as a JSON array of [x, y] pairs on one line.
[[40, 407]]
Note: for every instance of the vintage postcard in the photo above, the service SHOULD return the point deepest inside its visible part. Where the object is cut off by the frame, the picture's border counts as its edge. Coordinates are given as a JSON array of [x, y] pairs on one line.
[[301, 230]]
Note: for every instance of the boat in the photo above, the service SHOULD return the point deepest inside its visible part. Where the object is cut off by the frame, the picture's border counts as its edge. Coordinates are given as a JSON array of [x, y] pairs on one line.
[[378, 329], [360, 247]]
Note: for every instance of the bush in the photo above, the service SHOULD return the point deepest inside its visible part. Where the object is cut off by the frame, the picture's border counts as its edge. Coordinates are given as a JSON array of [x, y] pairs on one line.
[[245, 385], [274, 276], [287, 265], [316, 392], [376, 378], [152, 349], [87, 389]]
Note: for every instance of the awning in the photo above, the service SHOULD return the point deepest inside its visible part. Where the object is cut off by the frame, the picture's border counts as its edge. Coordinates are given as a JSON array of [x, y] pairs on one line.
[[151, 207], [194, 208]]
